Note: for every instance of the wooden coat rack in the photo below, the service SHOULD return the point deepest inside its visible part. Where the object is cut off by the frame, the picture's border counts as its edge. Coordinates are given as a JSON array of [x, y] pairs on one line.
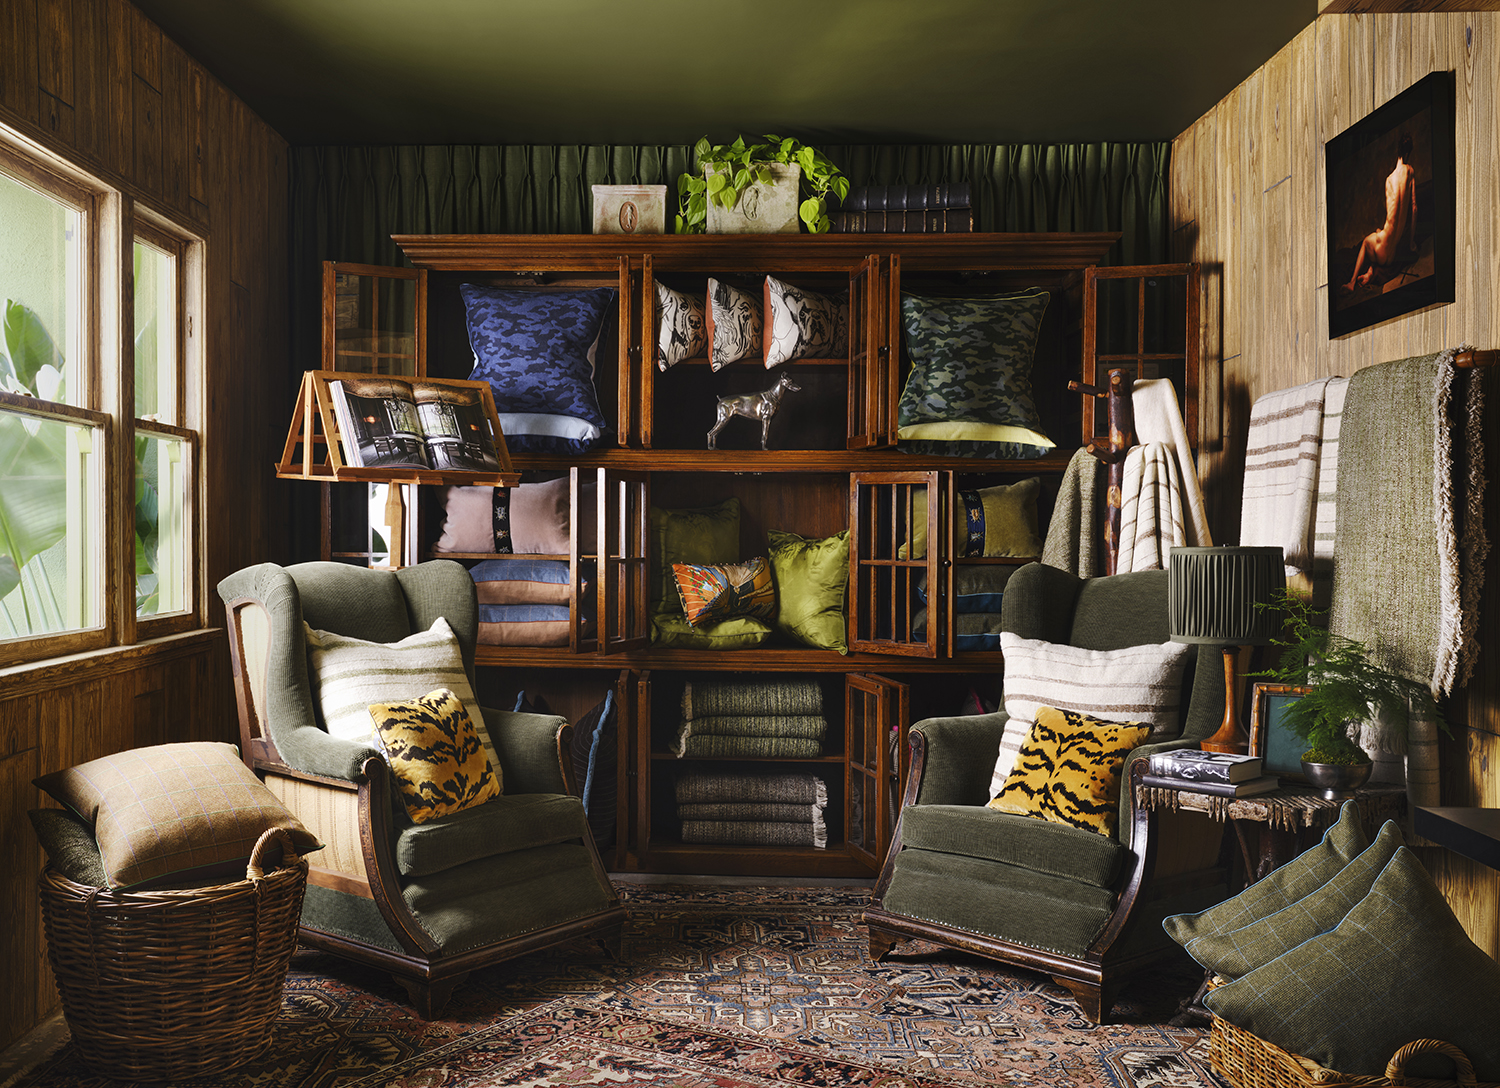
[[1112, 451]]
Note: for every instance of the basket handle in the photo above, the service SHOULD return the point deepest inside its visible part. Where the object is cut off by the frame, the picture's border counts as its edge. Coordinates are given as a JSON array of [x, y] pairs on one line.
[[1395, 1069], [256, 869]]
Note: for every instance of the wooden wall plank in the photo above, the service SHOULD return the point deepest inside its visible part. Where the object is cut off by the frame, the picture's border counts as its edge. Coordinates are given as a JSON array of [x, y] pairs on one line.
[[145, 132], [55, 49], [19, 87], [175, 126], [145, 48]]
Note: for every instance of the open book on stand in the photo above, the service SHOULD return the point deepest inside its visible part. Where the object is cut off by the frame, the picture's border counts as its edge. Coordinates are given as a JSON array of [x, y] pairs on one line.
[[390, 422], [1192, 765]]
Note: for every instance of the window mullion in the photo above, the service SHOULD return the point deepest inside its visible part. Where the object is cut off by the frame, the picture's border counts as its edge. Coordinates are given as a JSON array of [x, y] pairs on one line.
[[116, 398]]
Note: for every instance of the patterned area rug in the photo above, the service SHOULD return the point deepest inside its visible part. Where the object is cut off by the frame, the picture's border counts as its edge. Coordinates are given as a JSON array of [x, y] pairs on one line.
[[725, 986]]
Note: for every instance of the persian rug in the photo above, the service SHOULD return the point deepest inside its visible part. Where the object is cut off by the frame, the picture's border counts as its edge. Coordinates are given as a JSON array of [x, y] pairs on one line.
[[731, 986]]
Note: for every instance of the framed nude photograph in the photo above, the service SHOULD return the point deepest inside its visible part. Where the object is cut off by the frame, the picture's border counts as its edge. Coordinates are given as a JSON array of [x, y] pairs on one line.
[[1280, 749], [1390, 202]]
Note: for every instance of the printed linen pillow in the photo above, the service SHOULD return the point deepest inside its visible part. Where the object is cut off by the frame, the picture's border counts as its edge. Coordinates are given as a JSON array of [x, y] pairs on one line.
[[1397, 967], [681, 332], [992, 521], [174, 814], [716, 592], [1281, 887], [734, 324], [348, 674], [971, 361], [435, 755], [1068, 770], [803, 324], [1137, 683], [536, 349]]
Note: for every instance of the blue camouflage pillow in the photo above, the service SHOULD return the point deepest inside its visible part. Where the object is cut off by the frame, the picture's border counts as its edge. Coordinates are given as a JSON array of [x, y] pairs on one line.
[[536, 349], [970, 380]]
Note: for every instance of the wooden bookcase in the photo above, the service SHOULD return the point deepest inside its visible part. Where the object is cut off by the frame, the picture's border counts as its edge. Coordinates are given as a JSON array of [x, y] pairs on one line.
[[834, 461]]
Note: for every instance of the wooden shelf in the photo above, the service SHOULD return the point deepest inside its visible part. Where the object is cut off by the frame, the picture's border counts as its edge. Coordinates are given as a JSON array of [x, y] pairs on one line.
[[839, 461], [755, 659]]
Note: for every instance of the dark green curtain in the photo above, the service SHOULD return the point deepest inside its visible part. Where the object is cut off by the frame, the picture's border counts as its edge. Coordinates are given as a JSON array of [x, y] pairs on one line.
[[346, 202]]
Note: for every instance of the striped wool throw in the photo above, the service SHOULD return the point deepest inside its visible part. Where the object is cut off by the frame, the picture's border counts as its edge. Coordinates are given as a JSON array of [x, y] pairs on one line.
[[703, 787], [706, 698], [1159, 419], [1281, 474], [1150, 509], [1325, 516]]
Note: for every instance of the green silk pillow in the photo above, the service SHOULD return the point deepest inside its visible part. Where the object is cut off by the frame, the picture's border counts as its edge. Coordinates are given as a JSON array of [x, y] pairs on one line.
[[736, 634], [701, 536], [434, 752], [811, 579], [971, 361], [1281, 887], [1241, 951], [1398, 967]]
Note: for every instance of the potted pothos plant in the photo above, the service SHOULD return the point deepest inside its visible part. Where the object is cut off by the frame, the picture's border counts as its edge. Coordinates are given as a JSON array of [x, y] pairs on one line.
[[723, 174], [1344, 688]]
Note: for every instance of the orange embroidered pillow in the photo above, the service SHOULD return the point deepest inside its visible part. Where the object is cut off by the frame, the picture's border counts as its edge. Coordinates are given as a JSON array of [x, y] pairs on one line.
[[711, 594]]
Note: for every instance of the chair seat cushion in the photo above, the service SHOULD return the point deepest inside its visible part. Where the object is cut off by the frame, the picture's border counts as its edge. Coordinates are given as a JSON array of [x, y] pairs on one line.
[[505, 825], [1036, 846]]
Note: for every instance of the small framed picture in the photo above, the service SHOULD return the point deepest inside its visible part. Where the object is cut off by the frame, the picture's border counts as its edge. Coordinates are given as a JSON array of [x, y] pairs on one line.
[[1280, 749]]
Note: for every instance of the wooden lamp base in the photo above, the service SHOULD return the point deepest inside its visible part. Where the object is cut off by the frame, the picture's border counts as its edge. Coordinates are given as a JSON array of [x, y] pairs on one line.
[[1231, 737]]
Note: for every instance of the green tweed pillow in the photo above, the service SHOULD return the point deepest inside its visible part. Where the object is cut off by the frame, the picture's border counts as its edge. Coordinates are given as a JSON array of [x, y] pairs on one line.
[[734, 634], [434, 752], [1241, 951], [174, 814], [971, 362], [69, 845], [348, 674], [1282, 887], [1399, 967], [811, 578], [702, 536]]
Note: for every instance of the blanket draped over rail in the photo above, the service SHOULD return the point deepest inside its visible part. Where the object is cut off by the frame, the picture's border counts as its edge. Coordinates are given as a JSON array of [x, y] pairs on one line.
[[1282, 451], [1408, 506], [1325, 514], [1073, 535]]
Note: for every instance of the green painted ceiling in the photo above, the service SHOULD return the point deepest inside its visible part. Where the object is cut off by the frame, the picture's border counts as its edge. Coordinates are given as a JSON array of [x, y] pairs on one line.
[[668, 71]]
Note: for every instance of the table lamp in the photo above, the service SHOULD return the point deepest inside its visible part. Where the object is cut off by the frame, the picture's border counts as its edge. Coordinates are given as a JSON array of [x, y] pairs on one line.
[[1212, 594]]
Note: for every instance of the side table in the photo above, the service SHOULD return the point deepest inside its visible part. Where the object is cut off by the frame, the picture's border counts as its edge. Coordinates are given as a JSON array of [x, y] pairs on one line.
[[1272, 828], [1472, 832]]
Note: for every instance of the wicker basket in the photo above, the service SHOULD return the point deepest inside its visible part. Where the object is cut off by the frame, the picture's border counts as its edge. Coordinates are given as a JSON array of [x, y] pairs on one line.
[[1248, 1061], [162, 985]]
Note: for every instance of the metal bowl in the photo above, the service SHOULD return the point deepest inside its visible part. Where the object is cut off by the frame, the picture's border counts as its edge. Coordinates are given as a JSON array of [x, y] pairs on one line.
[[1336, 780]]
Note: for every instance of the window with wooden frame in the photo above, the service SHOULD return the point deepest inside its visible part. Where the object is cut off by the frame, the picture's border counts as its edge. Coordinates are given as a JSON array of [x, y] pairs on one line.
[[98, 414]]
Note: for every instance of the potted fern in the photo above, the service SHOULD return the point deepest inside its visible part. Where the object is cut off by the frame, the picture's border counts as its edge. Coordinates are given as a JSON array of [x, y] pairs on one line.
[[743, 188], [1345, 688]]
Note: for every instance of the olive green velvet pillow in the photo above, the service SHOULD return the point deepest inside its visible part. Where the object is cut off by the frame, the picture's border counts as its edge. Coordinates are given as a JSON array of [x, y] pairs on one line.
[[1241, 951], [811, 579], [1397, 968], [1282, 887], [992, 521], [707, 535], [734, 634]]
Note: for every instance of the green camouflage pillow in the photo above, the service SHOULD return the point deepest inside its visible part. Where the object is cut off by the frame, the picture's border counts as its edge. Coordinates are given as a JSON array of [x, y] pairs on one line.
[[1282, 887], [1241, 951], [1399, 967], [971, 362]]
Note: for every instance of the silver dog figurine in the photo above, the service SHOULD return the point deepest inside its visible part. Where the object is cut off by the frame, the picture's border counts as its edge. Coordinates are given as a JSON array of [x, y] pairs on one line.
[[761, 406]]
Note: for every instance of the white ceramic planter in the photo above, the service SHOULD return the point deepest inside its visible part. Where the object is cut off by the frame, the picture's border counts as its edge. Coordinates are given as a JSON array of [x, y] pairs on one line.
[[630, 209], [763, 208]]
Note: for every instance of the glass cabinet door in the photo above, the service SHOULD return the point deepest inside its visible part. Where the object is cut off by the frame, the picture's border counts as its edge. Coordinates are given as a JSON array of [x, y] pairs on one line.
[[374, 319], [876, 715], [899, 560], [872, 362]]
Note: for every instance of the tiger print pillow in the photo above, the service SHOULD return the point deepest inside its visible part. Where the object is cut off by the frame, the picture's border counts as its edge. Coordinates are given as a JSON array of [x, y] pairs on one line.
[[435, 754], [1068, 770]]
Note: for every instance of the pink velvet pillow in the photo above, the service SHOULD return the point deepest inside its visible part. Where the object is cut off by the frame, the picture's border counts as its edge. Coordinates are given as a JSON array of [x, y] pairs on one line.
[[529, 519]]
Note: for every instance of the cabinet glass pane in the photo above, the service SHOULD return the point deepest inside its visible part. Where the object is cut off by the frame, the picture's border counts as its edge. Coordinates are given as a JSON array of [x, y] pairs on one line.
[[374, 324]]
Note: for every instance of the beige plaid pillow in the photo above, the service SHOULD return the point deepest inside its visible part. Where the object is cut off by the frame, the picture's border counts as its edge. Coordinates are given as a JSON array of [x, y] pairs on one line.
[[174, 814]]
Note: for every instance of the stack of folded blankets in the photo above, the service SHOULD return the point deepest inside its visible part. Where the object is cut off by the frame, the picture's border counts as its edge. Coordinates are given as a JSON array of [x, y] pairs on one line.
[[752, 809], [764, 719]]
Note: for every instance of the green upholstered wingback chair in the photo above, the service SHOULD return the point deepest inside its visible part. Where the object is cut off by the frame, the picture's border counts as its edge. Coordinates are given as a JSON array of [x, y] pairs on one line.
[[1076, 905], [428, 902]]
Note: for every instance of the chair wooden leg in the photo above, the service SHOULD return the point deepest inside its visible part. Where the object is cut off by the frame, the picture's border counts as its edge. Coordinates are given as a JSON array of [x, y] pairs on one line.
[[609, 940], [1095, 999], [881, 942], [429, 998]]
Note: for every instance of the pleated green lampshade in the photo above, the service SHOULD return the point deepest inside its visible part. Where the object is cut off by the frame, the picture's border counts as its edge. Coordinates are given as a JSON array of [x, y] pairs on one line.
[[1212, 595]]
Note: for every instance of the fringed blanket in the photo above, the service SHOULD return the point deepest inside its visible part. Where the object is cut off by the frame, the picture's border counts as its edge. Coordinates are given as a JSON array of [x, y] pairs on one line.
[[1073, 534], [705, 698], [1403, 513], [1159, 419], [744, 833], [1151, 509], [1281, 474], [702, 787], [1325, 516]]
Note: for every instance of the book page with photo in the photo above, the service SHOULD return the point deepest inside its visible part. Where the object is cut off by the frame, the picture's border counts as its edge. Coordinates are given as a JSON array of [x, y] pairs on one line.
[[394, 423]]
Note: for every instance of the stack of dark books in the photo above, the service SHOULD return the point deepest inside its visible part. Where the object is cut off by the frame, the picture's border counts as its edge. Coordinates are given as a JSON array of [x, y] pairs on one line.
[[1209, 772], [906, 209]]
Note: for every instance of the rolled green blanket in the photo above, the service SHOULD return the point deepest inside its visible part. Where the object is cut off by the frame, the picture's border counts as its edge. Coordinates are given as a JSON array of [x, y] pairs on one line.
[[701, 787], [759, 698]]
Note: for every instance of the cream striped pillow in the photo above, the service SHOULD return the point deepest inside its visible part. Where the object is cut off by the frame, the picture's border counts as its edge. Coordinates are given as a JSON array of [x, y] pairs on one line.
[[1138, 683], [348, 675]]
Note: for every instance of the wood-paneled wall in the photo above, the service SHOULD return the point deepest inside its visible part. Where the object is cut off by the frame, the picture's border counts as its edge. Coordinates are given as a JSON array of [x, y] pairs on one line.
[[1247, 202], [97, 83]]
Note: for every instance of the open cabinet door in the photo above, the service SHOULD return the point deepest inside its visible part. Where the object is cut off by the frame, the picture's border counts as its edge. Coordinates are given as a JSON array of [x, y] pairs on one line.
[[876, 713], [898, 542], [624, 513], [374, 319], [872, 367]]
